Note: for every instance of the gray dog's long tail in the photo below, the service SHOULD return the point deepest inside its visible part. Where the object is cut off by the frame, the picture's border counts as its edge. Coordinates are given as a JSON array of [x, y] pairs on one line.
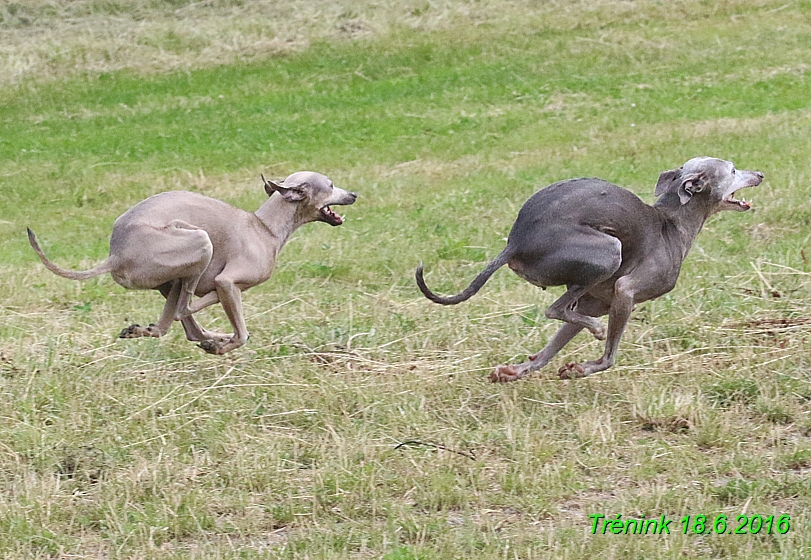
[[468, 292], [64, 272]]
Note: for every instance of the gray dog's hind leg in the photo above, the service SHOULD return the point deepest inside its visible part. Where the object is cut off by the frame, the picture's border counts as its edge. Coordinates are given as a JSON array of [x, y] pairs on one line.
[[587, 260], [566, 333], [503, 374], [577, 257]]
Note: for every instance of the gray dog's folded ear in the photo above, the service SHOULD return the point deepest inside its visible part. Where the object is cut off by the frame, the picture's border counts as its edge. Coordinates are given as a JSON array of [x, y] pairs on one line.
[[684, 185], [691, 184], [667, 180]]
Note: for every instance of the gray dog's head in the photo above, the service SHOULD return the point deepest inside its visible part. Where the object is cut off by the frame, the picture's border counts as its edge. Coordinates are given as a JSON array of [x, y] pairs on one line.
[[314, 193], [714, 180]]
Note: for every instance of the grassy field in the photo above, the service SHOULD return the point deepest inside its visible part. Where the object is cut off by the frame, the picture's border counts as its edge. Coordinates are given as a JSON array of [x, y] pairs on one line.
[[444, 116]]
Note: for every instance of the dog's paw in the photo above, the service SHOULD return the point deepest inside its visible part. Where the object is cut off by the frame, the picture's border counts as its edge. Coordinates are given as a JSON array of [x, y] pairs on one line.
[[572, 370], [129, 332], [137, 331], [211, 346], [599, 331], [504, 374], [219, 337]]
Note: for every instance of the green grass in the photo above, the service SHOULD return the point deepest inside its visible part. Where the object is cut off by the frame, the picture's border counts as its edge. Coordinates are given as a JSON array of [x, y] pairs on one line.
[[444, 117]]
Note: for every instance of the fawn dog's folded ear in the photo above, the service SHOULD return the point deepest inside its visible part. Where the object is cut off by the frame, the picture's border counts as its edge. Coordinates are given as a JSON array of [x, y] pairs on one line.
[[292, 194], [270, 186]]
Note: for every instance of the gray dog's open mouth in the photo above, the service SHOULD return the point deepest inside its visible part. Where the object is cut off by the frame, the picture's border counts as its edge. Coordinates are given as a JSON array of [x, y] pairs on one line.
[[741, 205], [747, 179], [331, 217]]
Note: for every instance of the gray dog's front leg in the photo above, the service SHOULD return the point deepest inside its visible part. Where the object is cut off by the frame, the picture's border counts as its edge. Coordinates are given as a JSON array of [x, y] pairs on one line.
[[618, 315]]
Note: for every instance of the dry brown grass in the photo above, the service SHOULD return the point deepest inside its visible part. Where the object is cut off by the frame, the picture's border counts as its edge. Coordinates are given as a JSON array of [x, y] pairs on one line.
[[54, 38], [46, 39]]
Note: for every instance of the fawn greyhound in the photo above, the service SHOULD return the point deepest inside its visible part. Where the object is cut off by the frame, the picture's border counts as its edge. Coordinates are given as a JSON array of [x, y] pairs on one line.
[[609, 249], [183, 244]]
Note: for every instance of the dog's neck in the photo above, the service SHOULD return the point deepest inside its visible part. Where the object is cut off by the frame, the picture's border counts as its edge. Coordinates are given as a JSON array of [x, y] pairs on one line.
[[280, 217], [688, 219]]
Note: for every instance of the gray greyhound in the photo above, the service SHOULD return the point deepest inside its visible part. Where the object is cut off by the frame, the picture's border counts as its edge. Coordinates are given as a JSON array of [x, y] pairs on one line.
[[183, 244], [610, 250]]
